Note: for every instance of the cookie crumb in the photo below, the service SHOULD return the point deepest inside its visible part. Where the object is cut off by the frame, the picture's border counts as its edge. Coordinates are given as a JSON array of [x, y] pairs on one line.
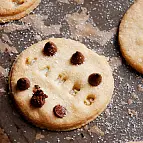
[[86, 127], [3, 71], [135, 96], [39, 136], [132, 112], [130, 101], [140, 87], [96, 130], [69, 138], [107, 112]]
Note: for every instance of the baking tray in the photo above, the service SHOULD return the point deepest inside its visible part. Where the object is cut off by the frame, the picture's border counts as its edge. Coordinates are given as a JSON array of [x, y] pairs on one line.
[[94, 23]]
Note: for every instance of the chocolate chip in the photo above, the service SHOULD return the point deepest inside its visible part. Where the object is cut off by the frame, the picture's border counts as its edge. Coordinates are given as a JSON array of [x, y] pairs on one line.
[[38, 98], [77, 58], [59, 111], [50, 49], [23, 83], [94, 79]]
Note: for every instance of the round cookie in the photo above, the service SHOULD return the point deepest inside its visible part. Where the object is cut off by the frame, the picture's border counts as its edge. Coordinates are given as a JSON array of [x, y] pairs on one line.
[[16, 9], [60, 84], [131, 36]]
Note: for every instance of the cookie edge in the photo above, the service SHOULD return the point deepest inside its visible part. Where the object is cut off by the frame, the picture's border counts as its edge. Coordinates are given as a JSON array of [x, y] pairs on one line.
[[18, 16], [129, 60], [37, 123]]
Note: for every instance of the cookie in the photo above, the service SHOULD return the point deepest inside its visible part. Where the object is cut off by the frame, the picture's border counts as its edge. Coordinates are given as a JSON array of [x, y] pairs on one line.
[[136, 142], [131, 36], [60, 84], [16, 9]]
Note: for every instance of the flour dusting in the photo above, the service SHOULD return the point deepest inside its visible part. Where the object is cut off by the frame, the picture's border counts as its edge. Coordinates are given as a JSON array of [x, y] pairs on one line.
[[2, 90], [6, 48], [68, 1], [11, 27], [37, 23], [5, 37], [115, 62], [81, 28], [122, 120], [3, 71], [63, 1], [79, 1]]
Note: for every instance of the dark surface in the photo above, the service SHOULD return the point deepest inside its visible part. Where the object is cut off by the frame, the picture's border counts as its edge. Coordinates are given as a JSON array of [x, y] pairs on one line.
[[119, 126]]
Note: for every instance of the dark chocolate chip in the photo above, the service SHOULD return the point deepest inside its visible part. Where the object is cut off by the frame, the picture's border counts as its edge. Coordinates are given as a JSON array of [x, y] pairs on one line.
[[59, 111], [50, 49], [23, 83], [38, 98], [77, 58], [94, 79]]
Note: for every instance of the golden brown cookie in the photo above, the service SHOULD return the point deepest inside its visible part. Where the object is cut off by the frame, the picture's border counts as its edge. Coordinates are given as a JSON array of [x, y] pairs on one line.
[[60, 84], [136, 142], [131, 36], [16, 9]]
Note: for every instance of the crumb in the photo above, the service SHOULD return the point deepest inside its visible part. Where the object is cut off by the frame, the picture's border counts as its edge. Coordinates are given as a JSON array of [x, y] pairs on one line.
[[86, 127], [107, 112], [69, 138], [132, 112], [134, 96], [39, 136], [130, 101], [96, 130], [140, 87]]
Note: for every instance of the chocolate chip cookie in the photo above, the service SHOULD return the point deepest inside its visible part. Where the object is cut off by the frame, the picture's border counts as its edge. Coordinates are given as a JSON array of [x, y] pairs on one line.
[[60, 84]]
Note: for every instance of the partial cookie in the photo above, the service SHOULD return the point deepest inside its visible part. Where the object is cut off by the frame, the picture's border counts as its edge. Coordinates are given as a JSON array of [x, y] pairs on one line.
[[131, 36], [16, 9], [60, 84], [136, 142]]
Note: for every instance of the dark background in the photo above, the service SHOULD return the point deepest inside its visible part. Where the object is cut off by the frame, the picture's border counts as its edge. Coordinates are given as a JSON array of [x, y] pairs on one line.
[[119, 126]]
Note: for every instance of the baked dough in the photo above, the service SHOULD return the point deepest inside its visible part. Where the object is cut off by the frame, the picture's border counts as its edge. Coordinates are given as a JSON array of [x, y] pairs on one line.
[[131, 36], [16, 9], [64, 84]]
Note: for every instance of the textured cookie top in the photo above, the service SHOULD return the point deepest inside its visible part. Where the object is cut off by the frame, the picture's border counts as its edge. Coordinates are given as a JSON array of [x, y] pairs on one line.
[[60, 94], [131, 36], [15, 9]]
